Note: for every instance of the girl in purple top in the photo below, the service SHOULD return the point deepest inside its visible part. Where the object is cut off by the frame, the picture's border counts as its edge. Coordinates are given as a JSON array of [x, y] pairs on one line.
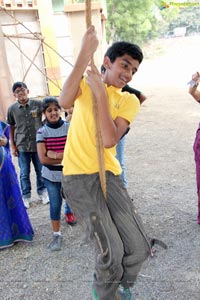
[[196, 95]]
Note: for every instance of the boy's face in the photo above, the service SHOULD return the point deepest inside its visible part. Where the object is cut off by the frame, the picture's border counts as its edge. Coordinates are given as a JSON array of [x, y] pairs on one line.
[[121, 71], [21, 94]]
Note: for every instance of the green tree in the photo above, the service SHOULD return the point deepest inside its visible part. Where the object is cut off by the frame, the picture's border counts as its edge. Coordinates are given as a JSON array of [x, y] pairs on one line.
[[137, 21], [131, 20]]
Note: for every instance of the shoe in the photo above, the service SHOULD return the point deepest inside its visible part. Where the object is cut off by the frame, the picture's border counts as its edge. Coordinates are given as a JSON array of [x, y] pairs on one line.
[[27, 202], [56, 243], [70, 219], [124, 294], [44, 198]]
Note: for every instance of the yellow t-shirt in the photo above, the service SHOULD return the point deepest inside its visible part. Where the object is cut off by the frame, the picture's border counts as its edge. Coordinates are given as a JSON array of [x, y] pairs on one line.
[[80, 154]]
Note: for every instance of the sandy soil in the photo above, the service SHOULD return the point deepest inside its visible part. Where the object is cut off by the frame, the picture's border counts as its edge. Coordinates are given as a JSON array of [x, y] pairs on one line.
[[161, 176]]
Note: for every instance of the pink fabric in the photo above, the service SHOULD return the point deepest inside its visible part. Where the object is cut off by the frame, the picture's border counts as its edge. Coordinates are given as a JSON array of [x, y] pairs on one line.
[[196, 148]]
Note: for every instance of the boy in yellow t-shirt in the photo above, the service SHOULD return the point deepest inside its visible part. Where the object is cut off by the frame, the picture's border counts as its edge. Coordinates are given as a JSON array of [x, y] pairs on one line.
[[122, 245]]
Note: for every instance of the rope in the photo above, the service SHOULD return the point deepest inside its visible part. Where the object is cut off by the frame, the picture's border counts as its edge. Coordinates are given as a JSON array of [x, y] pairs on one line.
[[99, 142]]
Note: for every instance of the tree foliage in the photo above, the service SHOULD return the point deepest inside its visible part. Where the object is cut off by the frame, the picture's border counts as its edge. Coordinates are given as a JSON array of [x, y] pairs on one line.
[[143, 20], [139, 21], [131, 20]]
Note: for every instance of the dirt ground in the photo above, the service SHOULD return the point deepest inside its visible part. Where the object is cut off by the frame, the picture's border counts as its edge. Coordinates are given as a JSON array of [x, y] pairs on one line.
[[161, 180]]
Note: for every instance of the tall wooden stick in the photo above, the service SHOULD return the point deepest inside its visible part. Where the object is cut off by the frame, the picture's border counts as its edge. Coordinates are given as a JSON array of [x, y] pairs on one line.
[[99, 142]]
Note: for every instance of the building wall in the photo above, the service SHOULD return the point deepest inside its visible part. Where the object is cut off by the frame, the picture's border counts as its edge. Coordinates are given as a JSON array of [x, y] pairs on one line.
[[21, 47], [63, 29], [64, 43], [77, 26], [70, 26]]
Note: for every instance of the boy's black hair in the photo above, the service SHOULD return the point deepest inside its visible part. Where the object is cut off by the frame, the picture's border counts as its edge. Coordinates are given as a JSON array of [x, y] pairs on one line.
[[119, 49], [18, 84], [49, 100]]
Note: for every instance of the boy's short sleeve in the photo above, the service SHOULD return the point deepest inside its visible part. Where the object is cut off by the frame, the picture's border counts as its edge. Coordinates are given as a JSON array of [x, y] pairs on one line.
[[9, 118], [129, 107]]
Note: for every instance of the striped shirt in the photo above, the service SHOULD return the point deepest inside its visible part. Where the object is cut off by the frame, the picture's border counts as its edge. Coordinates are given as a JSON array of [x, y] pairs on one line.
[[54, 136]]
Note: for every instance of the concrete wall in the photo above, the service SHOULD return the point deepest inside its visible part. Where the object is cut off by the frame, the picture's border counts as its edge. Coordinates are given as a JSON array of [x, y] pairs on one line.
[[20, 44], [77, 26], [64, 32], [64, 43]]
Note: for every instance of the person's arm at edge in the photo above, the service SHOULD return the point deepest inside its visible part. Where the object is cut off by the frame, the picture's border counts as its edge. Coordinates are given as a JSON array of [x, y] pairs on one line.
[[193, 89], [142, 98], [13, 146], [137, 93], [194, 93]]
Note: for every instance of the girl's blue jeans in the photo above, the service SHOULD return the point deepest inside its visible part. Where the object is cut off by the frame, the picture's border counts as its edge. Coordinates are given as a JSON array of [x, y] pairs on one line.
[[55, 198]]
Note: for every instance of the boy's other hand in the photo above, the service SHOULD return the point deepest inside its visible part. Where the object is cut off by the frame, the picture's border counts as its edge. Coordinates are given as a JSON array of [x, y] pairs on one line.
[[94, 79], [196, 77]]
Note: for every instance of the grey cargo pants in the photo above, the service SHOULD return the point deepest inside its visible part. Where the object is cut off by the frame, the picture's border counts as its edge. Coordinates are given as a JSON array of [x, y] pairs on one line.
[[125, 236]]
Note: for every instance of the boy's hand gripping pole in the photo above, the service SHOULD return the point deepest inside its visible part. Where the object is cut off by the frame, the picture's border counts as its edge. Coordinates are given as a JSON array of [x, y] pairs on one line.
[[99, 142]]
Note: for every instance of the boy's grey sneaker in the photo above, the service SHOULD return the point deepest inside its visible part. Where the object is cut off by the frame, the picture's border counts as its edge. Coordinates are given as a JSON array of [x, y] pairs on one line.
[[124, 294], [56, 243]]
